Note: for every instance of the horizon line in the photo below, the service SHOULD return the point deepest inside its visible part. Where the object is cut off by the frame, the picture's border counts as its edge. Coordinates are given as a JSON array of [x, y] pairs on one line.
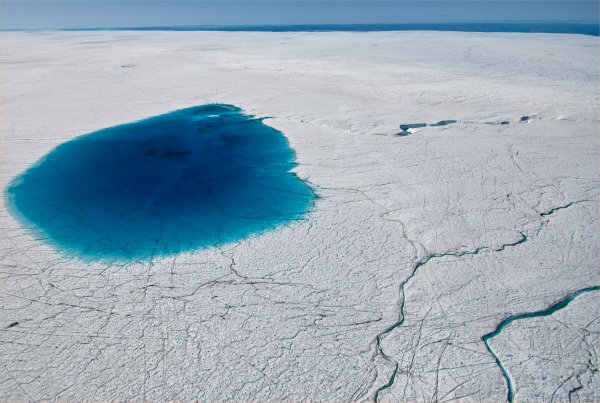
[[311, 27]]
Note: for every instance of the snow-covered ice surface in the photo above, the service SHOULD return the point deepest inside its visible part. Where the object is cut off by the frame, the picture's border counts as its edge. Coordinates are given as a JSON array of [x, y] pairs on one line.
[[422, 241]]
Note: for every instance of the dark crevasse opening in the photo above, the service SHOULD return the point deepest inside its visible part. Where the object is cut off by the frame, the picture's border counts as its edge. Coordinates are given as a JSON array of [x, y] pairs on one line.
[[185, 180]]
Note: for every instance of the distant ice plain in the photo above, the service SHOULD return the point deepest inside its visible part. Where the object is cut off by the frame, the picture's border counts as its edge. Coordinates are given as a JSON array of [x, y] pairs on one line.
[[294, 314]]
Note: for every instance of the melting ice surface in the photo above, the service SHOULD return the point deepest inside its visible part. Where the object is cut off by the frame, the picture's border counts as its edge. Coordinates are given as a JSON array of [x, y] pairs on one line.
[[185, 180]]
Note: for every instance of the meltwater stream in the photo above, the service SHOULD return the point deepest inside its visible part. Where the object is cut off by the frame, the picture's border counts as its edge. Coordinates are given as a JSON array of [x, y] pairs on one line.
[[185, 180], [545, 312]]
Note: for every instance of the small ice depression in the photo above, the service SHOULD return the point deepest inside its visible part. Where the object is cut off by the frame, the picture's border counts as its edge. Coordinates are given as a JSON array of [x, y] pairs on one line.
[[185, 180], [411, 128]]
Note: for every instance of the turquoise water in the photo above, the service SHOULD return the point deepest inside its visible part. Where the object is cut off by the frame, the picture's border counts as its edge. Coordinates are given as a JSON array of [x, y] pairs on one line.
[[546, 312], [185, 180]]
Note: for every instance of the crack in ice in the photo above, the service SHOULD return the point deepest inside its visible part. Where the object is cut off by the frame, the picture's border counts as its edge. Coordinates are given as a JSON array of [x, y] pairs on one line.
[[525, 236]]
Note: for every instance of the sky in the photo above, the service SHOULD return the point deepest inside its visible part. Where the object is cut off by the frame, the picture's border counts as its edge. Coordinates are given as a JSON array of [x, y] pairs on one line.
[[50, 14]]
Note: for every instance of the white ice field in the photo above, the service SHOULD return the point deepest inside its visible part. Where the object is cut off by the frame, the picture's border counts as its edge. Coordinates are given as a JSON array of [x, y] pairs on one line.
[[422, 242]]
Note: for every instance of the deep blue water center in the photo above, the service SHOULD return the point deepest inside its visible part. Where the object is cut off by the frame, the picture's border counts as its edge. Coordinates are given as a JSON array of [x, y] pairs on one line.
[[185, 180]]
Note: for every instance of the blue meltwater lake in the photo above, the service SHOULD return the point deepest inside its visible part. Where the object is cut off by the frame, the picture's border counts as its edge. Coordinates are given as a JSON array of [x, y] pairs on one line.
[[186, 180]]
